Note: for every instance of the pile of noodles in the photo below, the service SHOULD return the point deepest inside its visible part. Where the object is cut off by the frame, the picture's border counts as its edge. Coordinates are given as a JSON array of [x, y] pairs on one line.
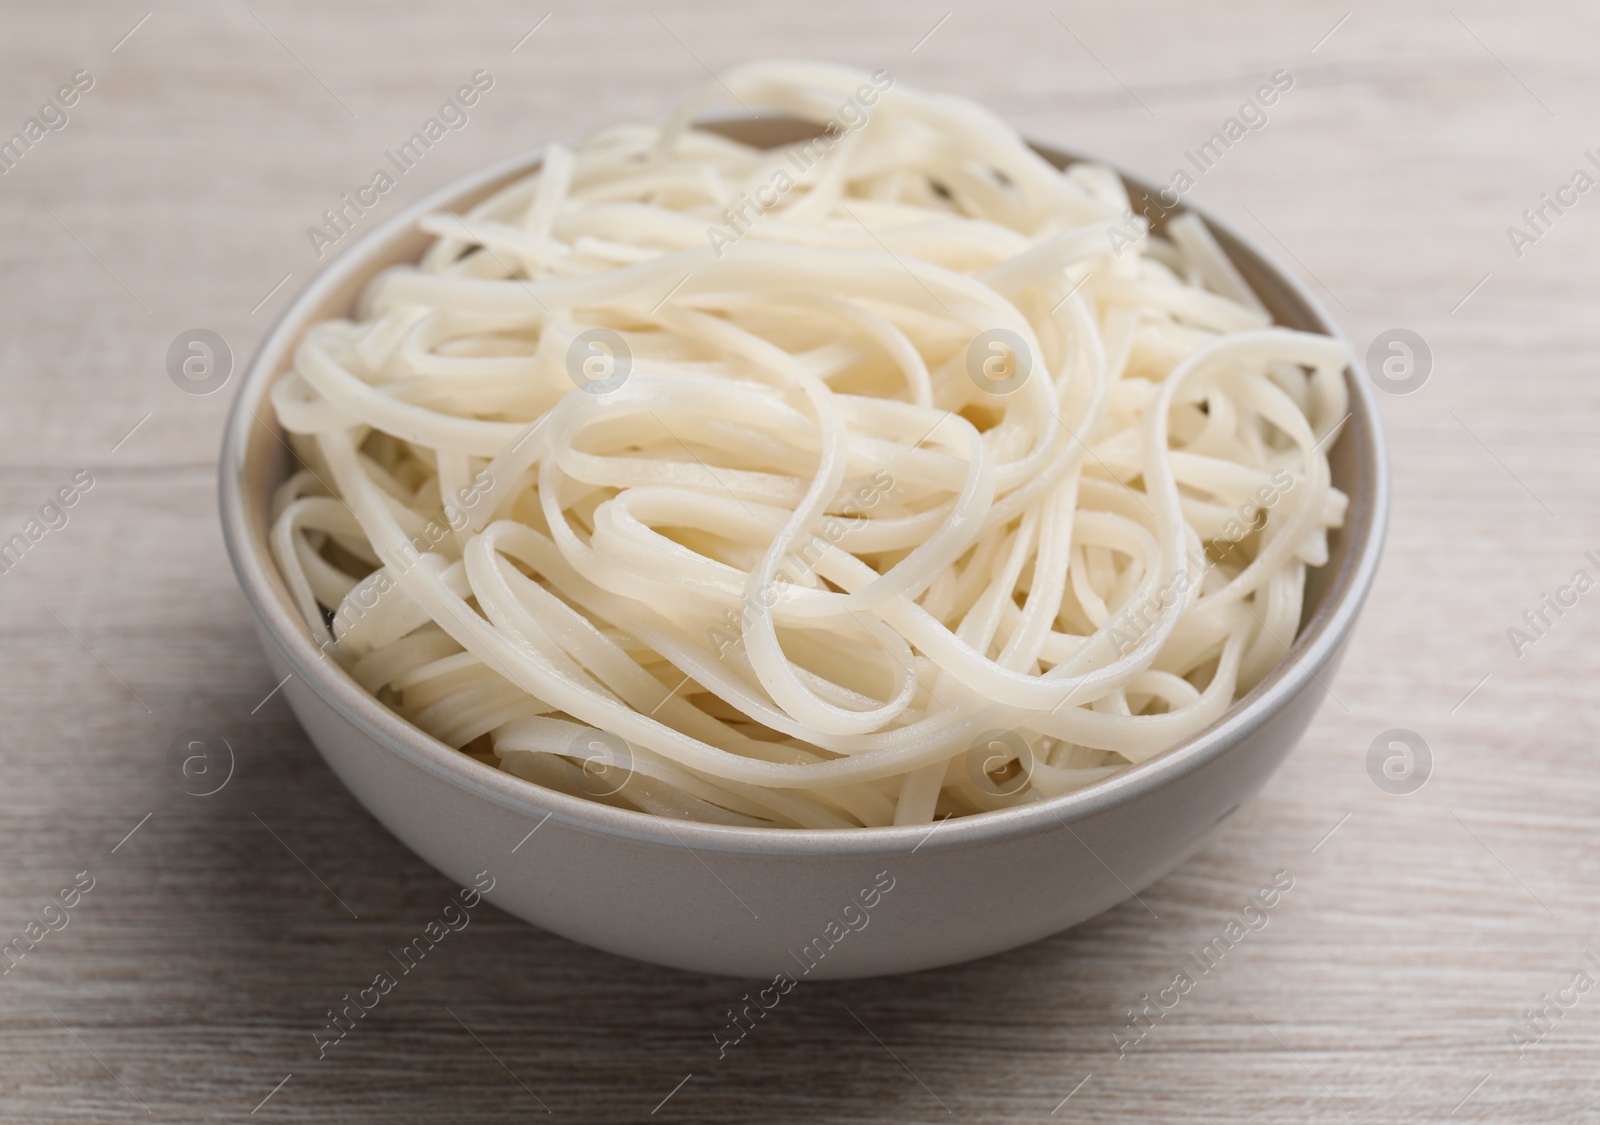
[[883, 477]]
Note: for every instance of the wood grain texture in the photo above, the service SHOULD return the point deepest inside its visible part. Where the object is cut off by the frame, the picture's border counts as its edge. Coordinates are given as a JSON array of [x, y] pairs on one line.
[[188, 983]]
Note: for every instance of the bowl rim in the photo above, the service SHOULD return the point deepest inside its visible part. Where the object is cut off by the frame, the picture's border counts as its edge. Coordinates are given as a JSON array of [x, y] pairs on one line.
[[1314, 645]]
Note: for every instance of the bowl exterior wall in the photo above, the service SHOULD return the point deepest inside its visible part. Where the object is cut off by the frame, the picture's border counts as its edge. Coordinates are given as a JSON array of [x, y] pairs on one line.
[[808, 915]]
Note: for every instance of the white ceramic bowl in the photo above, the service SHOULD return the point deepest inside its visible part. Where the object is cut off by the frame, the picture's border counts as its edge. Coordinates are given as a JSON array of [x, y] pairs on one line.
[[759, 902]]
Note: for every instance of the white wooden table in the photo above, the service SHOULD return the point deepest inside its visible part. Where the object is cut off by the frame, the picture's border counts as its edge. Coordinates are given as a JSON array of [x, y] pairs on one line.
[[187, 983]]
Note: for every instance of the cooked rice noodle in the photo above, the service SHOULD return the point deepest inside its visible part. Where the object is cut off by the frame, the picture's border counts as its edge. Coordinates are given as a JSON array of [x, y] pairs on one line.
[[817, 552]]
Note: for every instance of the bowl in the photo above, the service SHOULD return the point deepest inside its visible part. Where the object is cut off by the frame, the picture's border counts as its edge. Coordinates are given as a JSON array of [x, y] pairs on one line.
[[762, 903]]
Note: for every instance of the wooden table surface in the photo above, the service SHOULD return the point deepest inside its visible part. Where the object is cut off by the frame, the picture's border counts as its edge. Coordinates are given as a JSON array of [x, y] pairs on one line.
[[1421, 929]]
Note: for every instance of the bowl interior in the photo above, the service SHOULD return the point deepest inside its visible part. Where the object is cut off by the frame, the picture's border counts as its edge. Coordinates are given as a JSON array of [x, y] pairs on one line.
[[256, 460]]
